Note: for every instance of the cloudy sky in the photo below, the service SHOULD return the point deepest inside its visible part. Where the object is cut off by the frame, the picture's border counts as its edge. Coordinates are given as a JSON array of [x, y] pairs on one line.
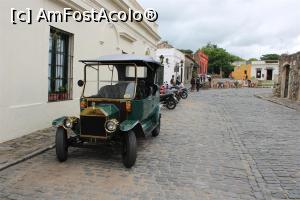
[[247, 28]]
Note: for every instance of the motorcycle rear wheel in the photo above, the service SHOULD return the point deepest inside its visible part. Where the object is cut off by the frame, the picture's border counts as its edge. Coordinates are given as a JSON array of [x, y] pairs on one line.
[[184, 95], [171, 104]]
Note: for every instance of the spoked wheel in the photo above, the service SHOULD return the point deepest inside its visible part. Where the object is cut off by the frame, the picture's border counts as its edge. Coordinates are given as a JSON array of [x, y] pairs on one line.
[[61, 141], [171, 104], [156, 131], [184, 95], [129, 149]]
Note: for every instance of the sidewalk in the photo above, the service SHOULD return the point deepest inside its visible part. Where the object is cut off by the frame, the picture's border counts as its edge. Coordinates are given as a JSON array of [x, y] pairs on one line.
[[281, 101], [23, 148]]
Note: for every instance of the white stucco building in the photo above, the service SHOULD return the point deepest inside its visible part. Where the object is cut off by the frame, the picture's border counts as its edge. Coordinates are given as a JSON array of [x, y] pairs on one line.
[[173, 59], [39, 62], [265, 70]]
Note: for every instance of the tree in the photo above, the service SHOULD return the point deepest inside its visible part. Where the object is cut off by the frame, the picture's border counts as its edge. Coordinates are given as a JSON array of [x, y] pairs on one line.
[[253, 59], [270, 57], [236, 58], [219, 60], [186, 51]]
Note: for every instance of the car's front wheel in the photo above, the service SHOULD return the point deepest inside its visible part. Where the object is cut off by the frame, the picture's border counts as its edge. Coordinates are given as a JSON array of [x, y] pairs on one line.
[[61, 141], [129, 149]]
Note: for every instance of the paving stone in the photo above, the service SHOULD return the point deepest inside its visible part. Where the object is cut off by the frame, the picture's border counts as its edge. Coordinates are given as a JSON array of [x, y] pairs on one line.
[[19, 148], [217, 144]]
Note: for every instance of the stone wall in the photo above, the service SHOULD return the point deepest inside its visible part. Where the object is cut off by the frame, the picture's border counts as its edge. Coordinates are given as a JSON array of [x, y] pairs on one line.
[[289, 74]]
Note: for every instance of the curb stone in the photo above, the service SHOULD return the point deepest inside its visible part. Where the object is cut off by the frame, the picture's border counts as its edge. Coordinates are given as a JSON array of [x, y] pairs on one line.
[[277, 102], [27, 157]]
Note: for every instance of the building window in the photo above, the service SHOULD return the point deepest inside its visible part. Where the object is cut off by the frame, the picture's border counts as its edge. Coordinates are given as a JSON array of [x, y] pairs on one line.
[[258, 73], [60, 68]]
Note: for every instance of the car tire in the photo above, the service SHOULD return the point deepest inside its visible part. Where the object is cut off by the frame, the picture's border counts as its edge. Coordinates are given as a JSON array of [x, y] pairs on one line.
[[129, 153], [156, 131], [171, 104], [184, 95], [61, 141]]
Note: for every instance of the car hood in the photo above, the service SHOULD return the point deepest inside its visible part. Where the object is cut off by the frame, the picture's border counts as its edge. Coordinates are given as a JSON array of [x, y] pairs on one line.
[[105, 110]]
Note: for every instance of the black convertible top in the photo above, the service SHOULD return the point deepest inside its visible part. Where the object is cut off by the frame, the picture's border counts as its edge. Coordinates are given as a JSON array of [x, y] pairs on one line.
[[122, 58]]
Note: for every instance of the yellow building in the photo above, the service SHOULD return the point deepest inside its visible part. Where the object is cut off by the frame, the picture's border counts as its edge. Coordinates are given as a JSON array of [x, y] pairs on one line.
[[242, 70]]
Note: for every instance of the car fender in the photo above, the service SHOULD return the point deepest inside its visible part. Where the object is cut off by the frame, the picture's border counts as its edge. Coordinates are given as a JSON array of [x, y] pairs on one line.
[[59, 122], [134, 125]]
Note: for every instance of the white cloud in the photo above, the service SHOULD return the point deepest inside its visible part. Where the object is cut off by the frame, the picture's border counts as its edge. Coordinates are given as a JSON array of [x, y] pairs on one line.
[[248, 28]]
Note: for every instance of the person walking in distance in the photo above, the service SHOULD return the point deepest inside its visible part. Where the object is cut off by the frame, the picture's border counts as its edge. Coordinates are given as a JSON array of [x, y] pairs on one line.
[[198, 83], [193, 83], [209, 81], [172, 81], [178, 80]]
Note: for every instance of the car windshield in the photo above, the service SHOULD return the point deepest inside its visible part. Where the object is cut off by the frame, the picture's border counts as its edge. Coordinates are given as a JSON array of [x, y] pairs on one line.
[[102, 81]]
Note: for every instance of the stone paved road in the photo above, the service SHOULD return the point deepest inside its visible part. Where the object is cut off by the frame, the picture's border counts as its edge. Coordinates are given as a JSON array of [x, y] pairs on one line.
[[15, 150], [218, 144]]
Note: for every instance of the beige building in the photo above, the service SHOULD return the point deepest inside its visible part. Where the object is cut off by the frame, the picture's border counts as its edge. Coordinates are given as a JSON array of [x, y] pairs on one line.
[[39, 62], [265, 70]]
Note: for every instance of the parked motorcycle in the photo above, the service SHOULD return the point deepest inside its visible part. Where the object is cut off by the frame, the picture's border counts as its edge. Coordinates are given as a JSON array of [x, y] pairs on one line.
[[176, 93], [182, 91], [165, 89], [168, 100]]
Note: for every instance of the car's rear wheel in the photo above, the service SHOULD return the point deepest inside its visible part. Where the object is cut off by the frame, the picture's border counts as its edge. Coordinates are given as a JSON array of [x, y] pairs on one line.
[[156, 131], [171, 104], [61, 141], [129, 149]]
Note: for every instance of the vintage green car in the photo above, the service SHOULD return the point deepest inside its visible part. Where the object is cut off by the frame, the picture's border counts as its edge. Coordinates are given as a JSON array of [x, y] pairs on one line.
[[119, 102]]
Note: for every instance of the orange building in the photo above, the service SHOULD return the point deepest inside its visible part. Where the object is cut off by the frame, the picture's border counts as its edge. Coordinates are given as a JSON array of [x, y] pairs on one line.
[[242, 70], [202, 60]]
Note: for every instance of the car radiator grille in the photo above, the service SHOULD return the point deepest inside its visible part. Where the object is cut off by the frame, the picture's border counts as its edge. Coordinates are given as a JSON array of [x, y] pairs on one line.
[[92, 126]]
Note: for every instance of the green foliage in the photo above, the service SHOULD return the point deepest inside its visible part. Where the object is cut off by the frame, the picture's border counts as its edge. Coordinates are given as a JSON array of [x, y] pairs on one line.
[[270, 57], [253, 59], [186, 51], [62, 89], [236, 58], [219, 59]]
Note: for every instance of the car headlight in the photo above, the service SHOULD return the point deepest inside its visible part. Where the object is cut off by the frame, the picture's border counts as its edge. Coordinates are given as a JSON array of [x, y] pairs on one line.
[[111, 125], [68, 123]]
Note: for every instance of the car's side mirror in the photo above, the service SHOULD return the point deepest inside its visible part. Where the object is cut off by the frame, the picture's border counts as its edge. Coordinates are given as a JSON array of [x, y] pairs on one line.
[[80, 83]]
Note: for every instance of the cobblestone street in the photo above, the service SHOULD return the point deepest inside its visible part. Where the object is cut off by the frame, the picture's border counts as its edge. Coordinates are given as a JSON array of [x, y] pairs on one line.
[[217, 144]]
